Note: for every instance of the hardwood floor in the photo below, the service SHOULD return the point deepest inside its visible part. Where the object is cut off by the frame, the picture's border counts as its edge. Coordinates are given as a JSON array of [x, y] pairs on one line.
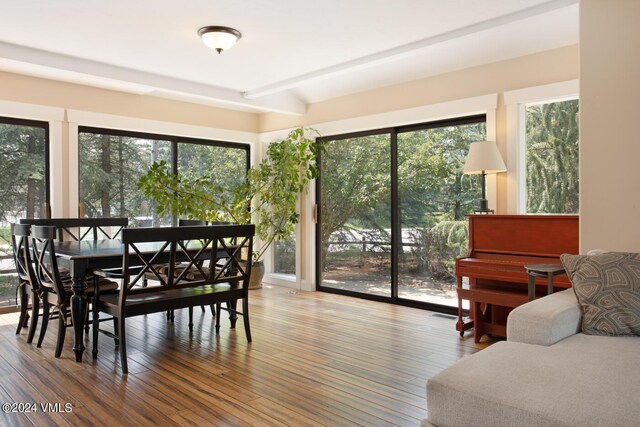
[[316, 359]]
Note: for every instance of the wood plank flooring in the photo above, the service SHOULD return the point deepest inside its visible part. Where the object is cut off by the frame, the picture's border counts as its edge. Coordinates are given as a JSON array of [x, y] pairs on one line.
[[316, 359]]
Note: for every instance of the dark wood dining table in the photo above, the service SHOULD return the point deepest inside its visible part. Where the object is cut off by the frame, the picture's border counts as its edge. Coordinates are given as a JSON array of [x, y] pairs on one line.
[[83, 257]]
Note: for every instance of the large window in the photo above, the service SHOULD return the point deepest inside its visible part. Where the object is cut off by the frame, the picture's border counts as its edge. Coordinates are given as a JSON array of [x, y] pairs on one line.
[[110, 166], [24, 188], [227, 164], [551, 157], [392, 209], [112, 162]]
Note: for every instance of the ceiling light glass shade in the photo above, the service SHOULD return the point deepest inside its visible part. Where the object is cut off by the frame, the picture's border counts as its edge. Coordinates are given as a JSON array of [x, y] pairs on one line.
[[484, 157], [219, 38]]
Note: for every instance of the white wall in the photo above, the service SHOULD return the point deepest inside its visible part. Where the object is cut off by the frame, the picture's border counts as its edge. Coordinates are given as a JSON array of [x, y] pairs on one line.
[[609, 131]]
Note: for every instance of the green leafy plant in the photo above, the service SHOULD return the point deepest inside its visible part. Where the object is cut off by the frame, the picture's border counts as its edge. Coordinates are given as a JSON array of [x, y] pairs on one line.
[[267, 197]]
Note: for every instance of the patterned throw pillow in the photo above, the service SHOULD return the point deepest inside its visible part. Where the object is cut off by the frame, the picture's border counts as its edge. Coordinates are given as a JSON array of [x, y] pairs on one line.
[[608, 289]]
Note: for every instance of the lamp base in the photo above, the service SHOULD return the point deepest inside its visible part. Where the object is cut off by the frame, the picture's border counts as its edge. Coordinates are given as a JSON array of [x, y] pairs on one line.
[[484, 207]]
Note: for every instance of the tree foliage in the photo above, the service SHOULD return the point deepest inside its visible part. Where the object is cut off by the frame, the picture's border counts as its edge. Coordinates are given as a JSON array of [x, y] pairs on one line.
[[23, 186], [23, 183], [552, 157], [431, 184], [110, 167], [268, 196], [356, 189]]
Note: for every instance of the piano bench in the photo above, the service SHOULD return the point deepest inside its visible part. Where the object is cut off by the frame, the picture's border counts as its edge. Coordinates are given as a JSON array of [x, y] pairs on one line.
[[483, 299]]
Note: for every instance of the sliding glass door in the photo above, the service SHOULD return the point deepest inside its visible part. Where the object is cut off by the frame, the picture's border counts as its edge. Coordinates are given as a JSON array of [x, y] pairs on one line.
[[391, 211], [433, 198], [355, 232]]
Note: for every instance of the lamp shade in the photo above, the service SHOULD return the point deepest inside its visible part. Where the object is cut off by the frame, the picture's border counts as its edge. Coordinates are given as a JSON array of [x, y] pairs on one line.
[[484, 157]]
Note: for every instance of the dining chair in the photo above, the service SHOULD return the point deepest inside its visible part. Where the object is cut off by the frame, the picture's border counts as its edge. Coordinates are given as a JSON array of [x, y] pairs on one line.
[[28, 286], [173, 291], [56, 288], [79, 229]]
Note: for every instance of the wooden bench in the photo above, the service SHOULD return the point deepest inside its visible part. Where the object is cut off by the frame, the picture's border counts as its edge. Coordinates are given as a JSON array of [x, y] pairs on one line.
[[187, 283], [488, 301]]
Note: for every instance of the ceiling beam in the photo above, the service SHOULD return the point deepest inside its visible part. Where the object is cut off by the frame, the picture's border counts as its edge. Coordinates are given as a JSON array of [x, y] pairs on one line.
[[409, 49], [40, 63]]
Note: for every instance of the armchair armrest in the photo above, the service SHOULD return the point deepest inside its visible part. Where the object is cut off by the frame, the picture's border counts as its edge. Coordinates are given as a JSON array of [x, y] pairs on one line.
[[545, 321]]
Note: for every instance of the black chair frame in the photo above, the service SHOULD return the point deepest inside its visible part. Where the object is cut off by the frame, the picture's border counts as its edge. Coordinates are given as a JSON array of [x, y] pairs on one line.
[[28, 287], [55, 296]]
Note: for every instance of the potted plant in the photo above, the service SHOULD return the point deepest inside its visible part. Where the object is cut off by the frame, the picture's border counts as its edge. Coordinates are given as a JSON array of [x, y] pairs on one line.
[[267, 197]]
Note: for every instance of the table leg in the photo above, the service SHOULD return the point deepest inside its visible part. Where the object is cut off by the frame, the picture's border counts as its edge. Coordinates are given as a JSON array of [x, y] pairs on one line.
[[549, 283], [78, 315], [532, 287]]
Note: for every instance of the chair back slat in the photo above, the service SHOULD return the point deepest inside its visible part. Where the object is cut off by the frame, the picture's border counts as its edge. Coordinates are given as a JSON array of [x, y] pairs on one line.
[[186, 233], [43, 239], [19, 236], [78, 229], [22, 255]]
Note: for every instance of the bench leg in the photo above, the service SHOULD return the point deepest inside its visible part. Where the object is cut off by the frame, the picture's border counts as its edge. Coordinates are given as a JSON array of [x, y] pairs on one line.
[[478, 321], [460, 325], [218, 305], [116, 335], [245, 318], [123, 345], [95, 329], [463, 323]]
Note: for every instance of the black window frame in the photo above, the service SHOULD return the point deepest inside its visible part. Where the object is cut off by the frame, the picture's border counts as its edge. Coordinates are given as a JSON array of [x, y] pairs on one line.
[[393, 132], [173, 139]]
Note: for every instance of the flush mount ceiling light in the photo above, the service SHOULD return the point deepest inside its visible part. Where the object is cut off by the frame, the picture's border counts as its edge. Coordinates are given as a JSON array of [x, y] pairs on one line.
[[219, 38]]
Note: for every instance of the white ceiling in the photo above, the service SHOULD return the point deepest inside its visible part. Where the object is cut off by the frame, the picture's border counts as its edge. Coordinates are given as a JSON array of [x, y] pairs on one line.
[[292, 52]]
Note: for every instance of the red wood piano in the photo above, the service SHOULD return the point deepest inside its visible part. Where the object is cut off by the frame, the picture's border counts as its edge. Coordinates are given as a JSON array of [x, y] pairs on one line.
[[499, 247]]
